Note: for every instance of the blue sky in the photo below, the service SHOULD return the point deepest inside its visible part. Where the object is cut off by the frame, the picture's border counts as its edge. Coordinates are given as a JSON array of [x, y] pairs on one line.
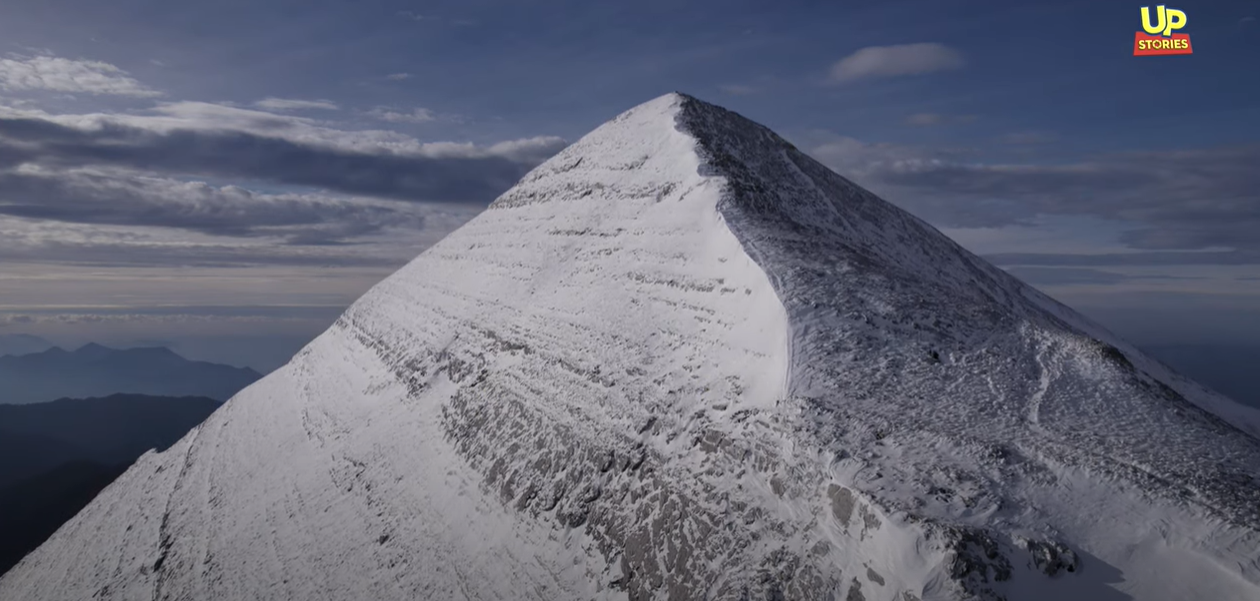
[[164, 165]]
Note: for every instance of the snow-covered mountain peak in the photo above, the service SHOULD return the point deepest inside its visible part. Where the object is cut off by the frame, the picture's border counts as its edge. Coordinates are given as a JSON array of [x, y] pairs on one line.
[[683, 360]]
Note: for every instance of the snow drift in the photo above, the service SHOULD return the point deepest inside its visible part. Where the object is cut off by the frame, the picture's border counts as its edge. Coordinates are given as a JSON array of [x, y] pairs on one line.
[[683, 360]]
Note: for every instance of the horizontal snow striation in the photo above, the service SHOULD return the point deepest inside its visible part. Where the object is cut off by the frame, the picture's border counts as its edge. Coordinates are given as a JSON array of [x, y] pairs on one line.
[[962, 398], [618, 364]]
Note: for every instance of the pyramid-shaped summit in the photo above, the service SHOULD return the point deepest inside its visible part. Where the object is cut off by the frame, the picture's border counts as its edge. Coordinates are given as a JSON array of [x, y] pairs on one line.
[[683, 360]]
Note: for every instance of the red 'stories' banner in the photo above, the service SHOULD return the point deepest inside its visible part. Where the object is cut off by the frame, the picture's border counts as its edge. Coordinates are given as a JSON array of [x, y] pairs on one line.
[[1155, 45]]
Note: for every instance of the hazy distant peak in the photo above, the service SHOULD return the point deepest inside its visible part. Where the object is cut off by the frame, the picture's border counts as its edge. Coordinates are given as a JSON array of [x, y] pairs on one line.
[[93, 350], [96, 370], [22, 344]]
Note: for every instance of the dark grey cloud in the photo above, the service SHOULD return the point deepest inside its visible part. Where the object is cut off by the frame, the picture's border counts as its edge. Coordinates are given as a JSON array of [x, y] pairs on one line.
[[244, 155], [1127, 259], [279, 311], [1170, 201], [130, 254], [111, 198], [1066, 275], [1187, 200], [1055, 276]]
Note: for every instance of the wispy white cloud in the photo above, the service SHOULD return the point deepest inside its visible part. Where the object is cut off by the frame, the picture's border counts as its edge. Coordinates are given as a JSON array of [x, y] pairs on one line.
[[398, 76], [893, 61], [930, 119], [56, 74], [1027, 138], [739, 89], [416, 115], [285, 104], [528, 150], [411, 15], [170, 117]]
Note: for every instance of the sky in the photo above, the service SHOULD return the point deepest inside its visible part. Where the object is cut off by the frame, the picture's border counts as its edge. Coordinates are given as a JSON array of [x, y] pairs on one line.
[[225, 177]]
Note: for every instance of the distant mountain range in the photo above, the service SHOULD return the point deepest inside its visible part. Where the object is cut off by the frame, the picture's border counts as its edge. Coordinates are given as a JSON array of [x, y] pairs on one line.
[[95, 370], [55, 457], [22, 344]]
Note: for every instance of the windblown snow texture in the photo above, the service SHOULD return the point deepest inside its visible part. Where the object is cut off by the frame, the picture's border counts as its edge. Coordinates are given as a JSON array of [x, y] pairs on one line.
[[682, 360]]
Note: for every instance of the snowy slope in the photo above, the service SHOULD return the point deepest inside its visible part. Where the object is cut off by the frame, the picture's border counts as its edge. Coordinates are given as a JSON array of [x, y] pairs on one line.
[[682, 360]]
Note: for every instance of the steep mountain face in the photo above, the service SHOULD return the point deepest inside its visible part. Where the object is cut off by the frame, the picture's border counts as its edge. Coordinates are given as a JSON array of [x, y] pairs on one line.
[[95, 370], [682, 360]]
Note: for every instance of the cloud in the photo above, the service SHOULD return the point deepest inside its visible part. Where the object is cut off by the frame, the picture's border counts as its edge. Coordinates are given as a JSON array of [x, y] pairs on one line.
[[55, 74], [219, 227], [529, 150], [893, 61], [1130, 259], [925, 119], [411, 15], [1027, 138], [89, 196], [1066, 275], [1060, 276], [869, 162], [417, 115], [209, 117], [1183, 200], [1177, 200], [102, 189], [398, 76], [738, 89], [284, 104], [930, 119], [211, 141], [152, 255], [146, 314]]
